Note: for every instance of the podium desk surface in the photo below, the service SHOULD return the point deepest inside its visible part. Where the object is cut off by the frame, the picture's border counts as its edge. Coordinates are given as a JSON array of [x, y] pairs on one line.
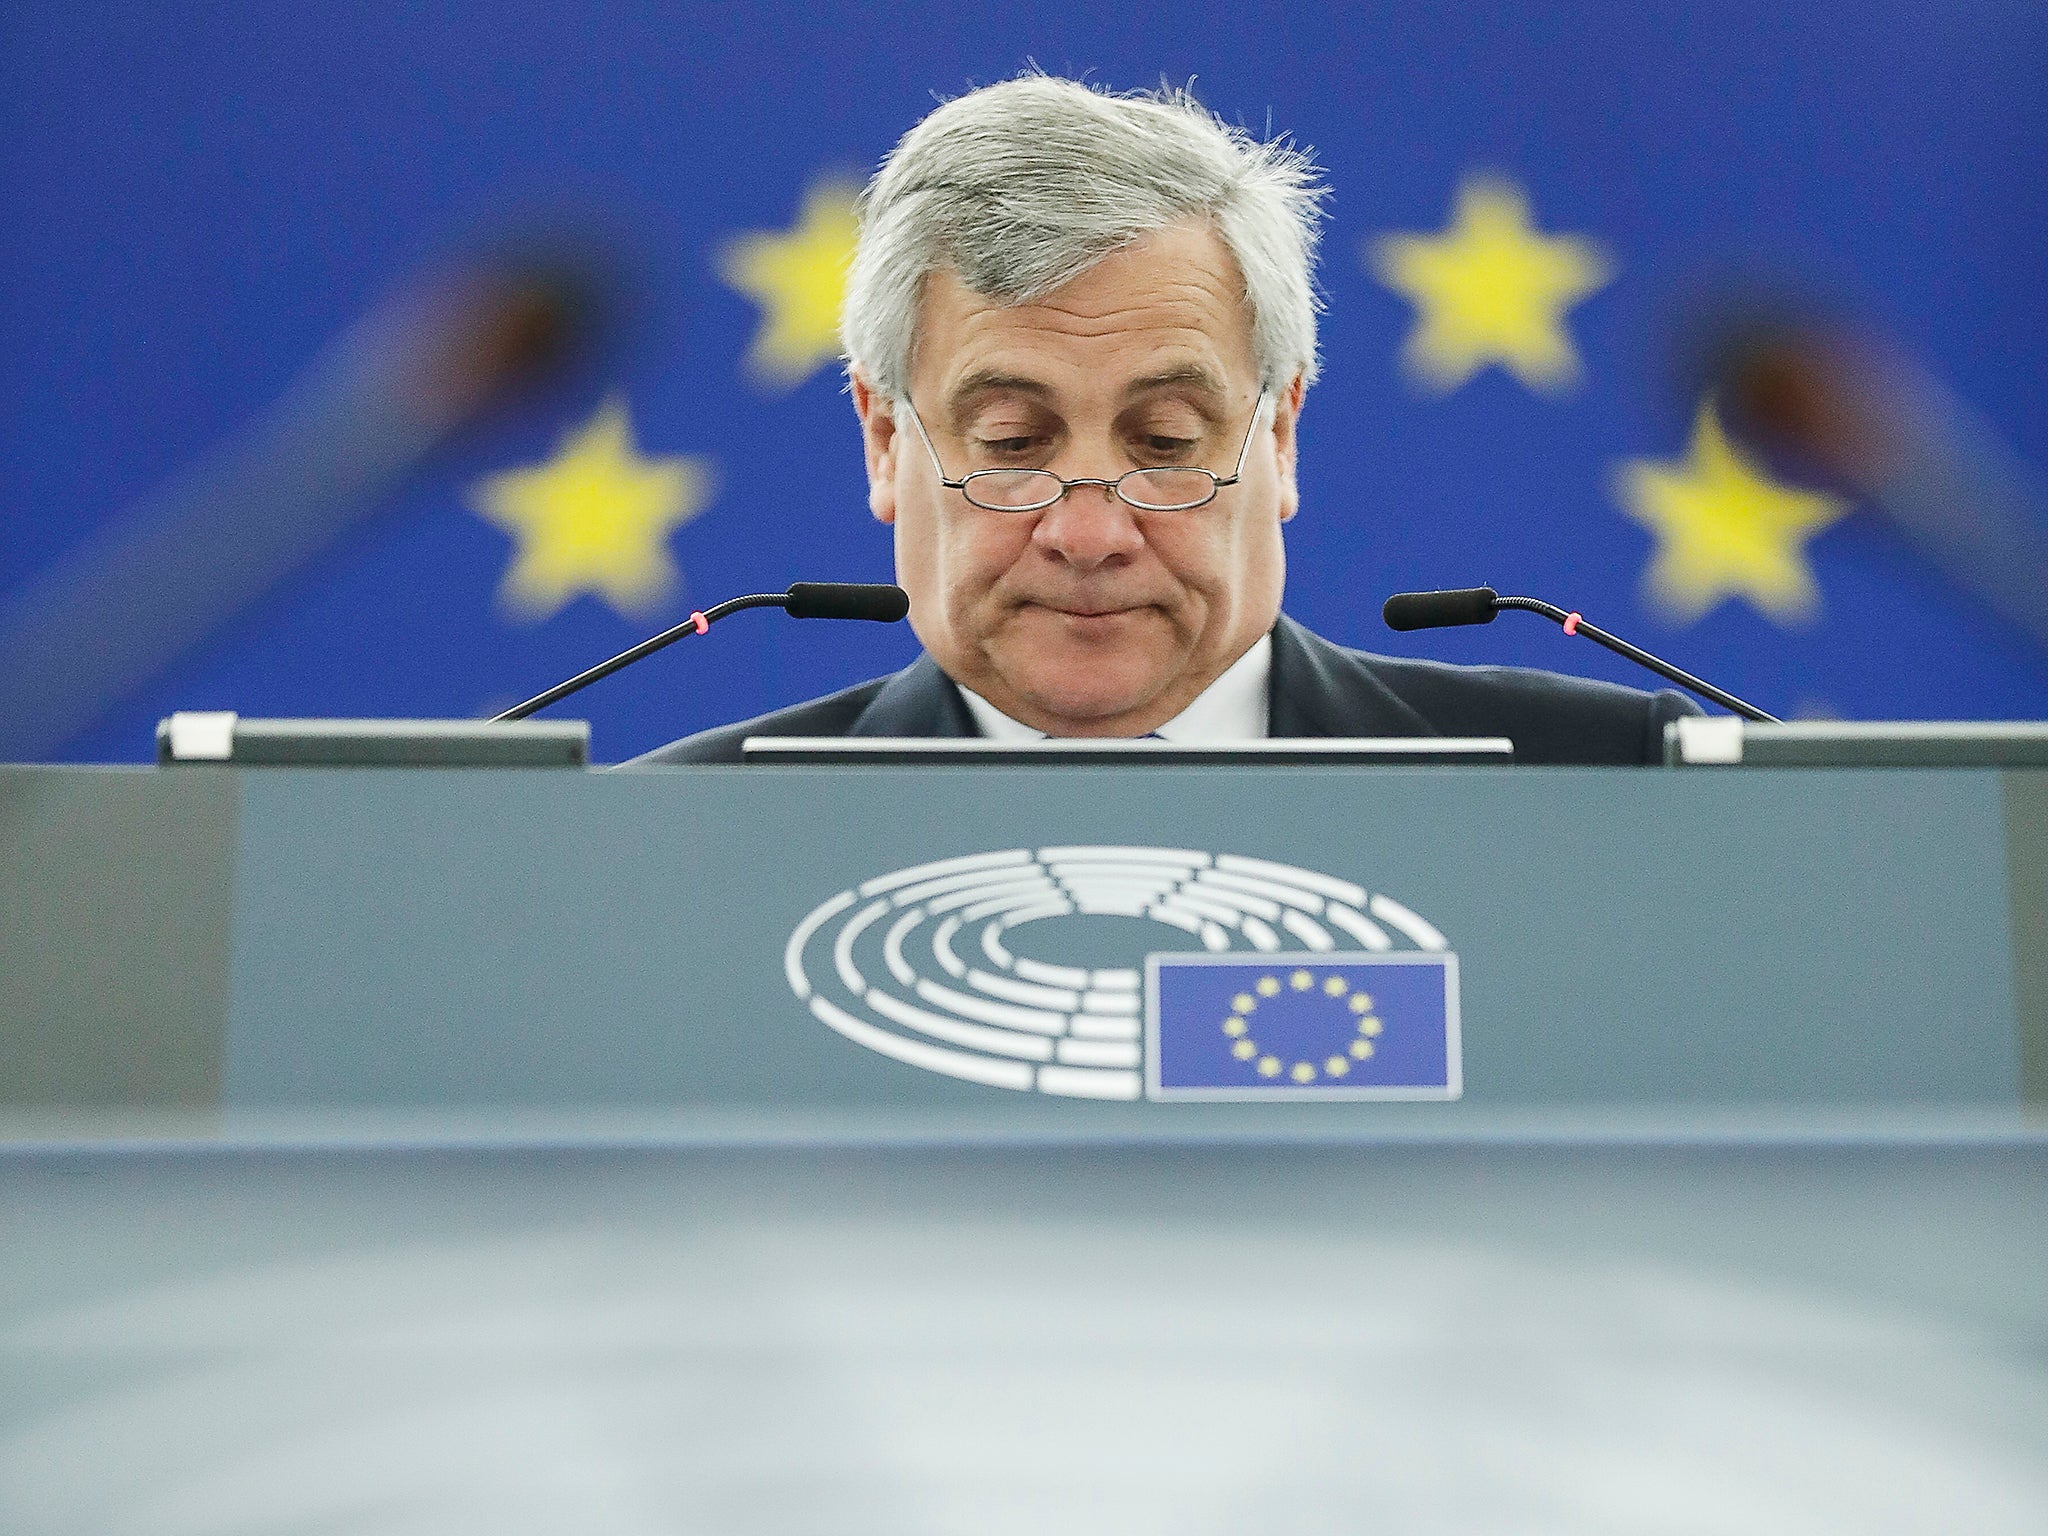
[[1724, 1340]]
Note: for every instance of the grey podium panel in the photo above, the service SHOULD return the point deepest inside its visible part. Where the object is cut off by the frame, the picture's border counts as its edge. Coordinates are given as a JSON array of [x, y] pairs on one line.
[[116, 894], [1625, 938], [679, 953], [2026, 828]]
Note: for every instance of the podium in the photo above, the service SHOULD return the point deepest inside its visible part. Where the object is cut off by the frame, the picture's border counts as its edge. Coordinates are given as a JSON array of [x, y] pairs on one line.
[[553, 1146]]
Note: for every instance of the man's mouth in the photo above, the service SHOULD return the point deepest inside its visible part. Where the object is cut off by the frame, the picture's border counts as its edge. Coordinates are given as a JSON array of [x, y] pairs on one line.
[[1068, 610]]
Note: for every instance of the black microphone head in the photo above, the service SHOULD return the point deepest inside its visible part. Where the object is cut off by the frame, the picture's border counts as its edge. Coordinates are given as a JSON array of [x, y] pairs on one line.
[[1439, 610], [847, 600]]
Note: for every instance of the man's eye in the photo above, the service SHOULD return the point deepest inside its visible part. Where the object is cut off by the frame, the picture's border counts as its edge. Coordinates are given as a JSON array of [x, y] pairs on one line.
[[1006, 446], [1169, 447]]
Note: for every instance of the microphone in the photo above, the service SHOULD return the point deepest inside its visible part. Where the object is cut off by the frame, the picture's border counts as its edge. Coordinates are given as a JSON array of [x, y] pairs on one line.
[[367, 414], [1875, 423], [1478, 605], [876, 601], [1439, 610]]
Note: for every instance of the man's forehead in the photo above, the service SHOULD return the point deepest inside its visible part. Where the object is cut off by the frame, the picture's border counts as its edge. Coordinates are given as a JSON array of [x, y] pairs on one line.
[[1167, 312]]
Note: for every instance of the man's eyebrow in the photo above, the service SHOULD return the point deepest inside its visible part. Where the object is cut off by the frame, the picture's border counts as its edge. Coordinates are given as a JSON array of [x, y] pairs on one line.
[[1172, 378], [990, 381], [987, 381]]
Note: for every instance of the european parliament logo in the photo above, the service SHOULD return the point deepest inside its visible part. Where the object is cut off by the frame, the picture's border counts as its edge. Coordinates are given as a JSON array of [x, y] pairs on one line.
[[1305, 1026], [1132, 972]]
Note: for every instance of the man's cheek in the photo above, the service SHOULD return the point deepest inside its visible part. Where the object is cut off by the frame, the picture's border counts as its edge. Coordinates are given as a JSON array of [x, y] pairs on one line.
[[981, 563]]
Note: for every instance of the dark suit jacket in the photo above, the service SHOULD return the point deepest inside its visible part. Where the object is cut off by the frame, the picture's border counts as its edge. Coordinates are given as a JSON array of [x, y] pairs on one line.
[[1318, 689]]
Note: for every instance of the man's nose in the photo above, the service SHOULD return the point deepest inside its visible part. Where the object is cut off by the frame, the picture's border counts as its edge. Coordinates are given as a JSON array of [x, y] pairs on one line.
[[1089, 526]]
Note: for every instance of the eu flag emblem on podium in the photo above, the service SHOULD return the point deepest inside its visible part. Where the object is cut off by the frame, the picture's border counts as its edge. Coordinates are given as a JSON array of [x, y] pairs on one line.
[[1310, 1026]]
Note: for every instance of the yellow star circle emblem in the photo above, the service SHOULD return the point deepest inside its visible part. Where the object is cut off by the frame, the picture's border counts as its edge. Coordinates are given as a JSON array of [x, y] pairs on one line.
[[595, 518], [798, 277], [1725, 528], [1237, 1028], [1490, 290]]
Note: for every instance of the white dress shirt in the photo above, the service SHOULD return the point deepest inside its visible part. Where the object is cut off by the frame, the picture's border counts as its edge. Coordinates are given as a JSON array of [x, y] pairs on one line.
[[1233, 708]]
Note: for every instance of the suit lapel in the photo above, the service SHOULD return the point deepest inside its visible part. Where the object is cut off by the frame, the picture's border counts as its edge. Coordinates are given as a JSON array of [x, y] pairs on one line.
[[918, 701], [1319, 689]]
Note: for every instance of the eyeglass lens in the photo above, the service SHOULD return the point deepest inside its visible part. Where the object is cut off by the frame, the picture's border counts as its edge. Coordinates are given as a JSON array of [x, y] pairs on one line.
[[1026, 490]]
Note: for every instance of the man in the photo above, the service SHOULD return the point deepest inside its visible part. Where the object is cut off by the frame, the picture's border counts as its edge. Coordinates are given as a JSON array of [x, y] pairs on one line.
[[1079, 331]]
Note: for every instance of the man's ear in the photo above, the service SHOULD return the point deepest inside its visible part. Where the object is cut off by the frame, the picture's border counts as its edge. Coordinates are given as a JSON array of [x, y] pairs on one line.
[[880, 440], [1286, 418]]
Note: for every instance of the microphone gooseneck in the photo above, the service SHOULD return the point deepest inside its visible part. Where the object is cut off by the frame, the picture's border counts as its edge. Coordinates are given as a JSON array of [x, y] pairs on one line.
[[880, 602], [1478, 605]]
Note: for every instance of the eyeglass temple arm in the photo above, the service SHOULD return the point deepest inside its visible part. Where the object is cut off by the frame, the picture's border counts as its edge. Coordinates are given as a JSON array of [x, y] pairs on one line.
[[1244, 448], [925, 438]]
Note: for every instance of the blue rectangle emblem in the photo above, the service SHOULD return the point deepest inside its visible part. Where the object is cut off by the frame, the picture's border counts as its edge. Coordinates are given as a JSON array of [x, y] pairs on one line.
[[1307, 1026]]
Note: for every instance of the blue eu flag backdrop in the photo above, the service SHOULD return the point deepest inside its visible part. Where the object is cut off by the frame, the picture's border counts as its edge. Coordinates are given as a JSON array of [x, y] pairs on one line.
[[1534, 207], [1303, 1026]]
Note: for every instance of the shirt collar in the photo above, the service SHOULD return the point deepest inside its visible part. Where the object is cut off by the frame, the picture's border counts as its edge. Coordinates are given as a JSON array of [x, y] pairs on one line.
[[1233, 708]]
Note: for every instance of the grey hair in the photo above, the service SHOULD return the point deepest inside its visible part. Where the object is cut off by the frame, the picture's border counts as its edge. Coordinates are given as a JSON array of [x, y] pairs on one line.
[[1023, 186]]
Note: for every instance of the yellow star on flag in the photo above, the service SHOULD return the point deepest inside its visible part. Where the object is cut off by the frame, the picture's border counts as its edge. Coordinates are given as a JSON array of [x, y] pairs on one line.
[[798, 278], [1490, 289], [595, 518], [1724, 529]]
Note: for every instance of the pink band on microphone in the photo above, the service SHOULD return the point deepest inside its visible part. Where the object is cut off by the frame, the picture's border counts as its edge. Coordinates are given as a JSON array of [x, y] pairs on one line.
[[1571, 623], [703, 623]]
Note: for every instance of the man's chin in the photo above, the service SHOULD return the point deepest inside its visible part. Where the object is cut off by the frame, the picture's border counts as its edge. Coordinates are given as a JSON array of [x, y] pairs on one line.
[[1083, 674], [1079, 702]]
